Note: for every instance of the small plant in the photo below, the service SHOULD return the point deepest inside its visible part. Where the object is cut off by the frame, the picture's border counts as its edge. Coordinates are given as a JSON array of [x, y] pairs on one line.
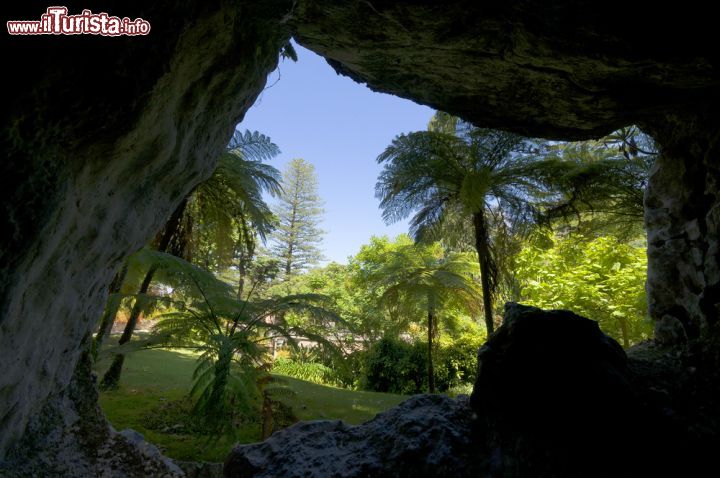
[[275, 413], [462, 389]]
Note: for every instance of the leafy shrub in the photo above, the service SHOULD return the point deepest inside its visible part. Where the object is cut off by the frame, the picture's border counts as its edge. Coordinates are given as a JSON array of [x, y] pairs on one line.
[[173, 417], [456, 361], [602, 279], [346, 367], [176, 417], [397, 366], [463, 389], [309, 371]]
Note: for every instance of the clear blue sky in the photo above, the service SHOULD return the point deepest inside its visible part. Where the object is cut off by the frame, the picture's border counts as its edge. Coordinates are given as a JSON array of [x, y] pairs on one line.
[[339, 126]]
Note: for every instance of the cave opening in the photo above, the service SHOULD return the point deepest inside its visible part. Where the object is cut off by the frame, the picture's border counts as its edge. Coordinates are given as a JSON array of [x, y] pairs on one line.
[[97, 159]]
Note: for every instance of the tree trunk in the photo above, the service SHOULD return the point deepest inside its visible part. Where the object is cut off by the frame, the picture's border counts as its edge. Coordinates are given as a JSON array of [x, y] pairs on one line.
[[267, 417], [242, 270], [111, 379], [291, 243], [138, 307], [245, 257], [172, 228], [431, 329], [483, 250], [111, 308], [624, 331], [288, 264]]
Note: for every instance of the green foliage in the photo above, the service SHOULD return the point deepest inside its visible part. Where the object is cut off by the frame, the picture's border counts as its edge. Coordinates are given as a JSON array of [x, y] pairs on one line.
[[602, 183], [226, 211], [414, 272], [346, 299], [287, 51], [602, 279], [395, 366], [477, 187], [375, 318], [397, 276], [424, 274], [157, 377], [457, 360], [398, 366], [297, 237], [174, 416], [303, 370], [462, 389], [428, 173], [382, 292]]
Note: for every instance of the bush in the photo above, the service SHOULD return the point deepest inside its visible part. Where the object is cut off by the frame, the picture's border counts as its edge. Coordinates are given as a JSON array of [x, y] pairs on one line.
[[395, 366], [602, 279], [176, 417], [346, 369], [464, 389], [456, 362], [308, 371]]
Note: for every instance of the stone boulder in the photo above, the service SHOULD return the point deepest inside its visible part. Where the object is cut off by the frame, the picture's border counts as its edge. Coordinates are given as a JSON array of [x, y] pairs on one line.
[[427, 435], [554, 393]]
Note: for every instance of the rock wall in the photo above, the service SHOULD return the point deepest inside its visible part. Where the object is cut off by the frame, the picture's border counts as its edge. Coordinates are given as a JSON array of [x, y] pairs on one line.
[[682, 217], [569, 70], [70, 437], [103, 137]]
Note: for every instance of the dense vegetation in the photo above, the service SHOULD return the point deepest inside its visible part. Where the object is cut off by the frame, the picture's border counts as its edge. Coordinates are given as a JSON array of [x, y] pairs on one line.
[[495, 217]]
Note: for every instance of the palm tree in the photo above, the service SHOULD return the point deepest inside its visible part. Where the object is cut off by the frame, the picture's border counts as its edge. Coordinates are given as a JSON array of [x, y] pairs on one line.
[[456, 176], [230, 200], [424, 274]]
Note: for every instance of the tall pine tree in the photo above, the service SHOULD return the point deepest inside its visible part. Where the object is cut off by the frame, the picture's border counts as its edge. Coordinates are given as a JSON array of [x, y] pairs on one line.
[[296, 241]]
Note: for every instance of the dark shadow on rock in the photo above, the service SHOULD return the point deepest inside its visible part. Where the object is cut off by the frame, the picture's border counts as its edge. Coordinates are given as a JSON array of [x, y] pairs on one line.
[[556, 398]]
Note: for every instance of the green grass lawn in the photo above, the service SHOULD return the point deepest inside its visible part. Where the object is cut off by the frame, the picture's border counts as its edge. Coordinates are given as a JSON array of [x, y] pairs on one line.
[[318, 402], [152, 378]]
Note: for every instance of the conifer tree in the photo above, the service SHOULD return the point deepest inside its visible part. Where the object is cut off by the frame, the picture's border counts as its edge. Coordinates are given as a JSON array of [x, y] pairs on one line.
[[297, 238]]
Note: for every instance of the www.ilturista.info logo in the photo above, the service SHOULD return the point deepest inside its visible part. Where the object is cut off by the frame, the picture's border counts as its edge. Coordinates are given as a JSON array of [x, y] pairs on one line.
[[56, 21]]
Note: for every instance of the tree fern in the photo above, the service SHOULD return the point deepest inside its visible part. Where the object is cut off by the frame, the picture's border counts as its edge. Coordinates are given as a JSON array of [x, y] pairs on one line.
[[423, 274], [230, 336], [252, 145], [456, 173]]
